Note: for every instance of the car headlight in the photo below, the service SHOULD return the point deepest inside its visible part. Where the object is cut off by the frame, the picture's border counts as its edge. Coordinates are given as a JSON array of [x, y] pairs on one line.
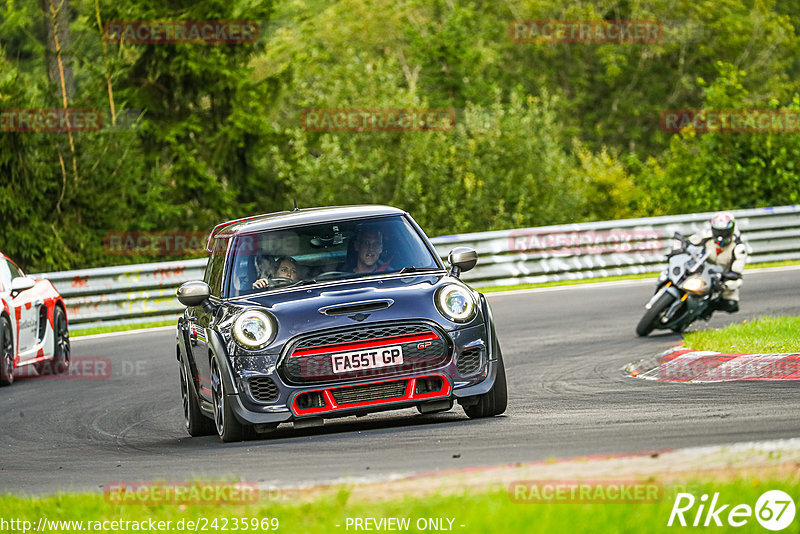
[[253, 329], [455, 303], [695, 284]]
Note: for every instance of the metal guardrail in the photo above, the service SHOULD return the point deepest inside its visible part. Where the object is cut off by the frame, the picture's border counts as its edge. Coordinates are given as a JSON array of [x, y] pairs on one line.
[[127, 294], [146, 292], [611, 248]]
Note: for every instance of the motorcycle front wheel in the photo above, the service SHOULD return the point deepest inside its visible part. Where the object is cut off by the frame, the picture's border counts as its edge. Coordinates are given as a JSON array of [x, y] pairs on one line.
[[651, 317]]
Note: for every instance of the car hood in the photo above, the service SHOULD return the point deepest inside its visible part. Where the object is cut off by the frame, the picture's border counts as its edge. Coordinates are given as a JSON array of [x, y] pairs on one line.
[[298, 311]]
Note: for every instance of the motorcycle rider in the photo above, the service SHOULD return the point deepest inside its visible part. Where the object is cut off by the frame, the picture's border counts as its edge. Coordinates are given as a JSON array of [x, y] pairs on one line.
[[723, 242]]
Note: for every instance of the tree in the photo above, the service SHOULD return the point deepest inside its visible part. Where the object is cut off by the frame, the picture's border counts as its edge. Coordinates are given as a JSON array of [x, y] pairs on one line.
[[707, 171]]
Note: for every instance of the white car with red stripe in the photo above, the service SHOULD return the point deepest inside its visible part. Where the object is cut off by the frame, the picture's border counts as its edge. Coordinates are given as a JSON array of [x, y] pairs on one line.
[[33, 325]]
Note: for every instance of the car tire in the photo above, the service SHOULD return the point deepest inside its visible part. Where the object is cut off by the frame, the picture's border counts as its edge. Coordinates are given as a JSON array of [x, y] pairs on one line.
[[61, 346], [227, 426], [6, 353], [195, 422], [494, 401]]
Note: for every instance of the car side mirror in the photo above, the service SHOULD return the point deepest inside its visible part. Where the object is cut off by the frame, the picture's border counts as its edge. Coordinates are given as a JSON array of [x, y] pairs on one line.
[[20, 284], [461, 259], [193, 293]]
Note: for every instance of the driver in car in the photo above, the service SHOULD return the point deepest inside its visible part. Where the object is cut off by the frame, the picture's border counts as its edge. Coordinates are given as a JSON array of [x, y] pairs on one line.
[[285, 267]]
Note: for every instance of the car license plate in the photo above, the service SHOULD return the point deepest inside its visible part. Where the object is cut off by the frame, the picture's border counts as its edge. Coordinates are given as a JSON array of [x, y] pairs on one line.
[[344, 362]]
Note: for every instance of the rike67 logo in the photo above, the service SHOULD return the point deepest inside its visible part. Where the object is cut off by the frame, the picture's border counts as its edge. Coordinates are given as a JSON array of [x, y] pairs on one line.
[[774, 510]]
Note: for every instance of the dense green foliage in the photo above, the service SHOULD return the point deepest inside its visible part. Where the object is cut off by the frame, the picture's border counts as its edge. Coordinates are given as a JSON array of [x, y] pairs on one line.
[[545, 133]]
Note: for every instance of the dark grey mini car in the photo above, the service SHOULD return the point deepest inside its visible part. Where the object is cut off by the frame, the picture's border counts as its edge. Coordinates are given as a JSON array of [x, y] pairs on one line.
[[331, 312]]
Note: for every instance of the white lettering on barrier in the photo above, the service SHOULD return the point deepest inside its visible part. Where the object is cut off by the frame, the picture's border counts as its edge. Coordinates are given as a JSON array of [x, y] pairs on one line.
[[586, 242]]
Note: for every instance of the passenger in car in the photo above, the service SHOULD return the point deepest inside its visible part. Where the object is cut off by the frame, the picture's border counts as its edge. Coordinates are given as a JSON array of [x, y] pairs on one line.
[[287, 268], [265, 266], [284, 267]]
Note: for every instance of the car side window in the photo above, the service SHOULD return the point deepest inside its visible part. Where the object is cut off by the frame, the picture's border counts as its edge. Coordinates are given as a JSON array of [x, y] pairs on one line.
[[5, 276], [15, 271], [216, 266]]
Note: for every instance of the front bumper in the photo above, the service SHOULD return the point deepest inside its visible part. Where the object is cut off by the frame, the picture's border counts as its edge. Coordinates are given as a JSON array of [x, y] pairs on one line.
[[452, 380]]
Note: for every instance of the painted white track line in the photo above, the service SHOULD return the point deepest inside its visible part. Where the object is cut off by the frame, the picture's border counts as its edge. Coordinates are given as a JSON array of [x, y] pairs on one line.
[[586, 285], [694, 459], [619, 283], [125, 333]]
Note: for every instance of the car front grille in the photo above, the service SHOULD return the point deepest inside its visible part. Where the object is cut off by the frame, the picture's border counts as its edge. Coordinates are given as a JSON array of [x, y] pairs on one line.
[[263, 389], [469, 361], [362, 334], [308, 359], [371, 392]]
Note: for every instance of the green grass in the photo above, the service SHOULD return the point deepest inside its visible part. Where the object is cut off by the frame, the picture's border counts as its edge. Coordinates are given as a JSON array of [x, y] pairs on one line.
[[118, 328], [480, 512], [764, 265], [762, 336]]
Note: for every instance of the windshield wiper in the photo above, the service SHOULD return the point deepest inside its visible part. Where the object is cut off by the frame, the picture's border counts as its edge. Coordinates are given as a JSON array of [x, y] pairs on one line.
[[413, 269]]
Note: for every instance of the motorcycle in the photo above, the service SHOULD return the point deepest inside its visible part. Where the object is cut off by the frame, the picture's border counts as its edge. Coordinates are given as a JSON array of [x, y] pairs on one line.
[[687, 290]]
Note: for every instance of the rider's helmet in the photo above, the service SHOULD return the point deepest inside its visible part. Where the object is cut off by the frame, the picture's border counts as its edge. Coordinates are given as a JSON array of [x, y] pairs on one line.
[[723, 226]]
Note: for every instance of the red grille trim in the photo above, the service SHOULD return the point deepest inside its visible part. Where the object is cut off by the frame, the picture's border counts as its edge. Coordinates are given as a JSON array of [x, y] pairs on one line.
[[410, 395], [377, 342]]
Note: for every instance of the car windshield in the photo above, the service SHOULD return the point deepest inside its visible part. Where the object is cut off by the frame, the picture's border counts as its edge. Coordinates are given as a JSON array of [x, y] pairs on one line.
[[318, 253]]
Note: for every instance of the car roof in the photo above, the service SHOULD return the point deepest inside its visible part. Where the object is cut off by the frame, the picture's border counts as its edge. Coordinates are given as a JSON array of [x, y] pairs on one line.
[[300, 217]]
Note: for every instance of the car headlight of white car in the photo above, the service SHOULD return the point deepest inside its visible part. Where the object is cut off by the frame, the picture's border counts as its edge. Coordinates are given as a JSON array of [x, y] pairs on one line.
[[455, 303], [254, 329]]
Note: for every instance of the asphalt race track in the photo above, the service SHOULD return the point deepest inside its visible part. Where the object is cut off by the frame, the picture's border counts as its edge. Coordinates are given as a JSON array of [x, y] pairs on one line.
[[564, 349]]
